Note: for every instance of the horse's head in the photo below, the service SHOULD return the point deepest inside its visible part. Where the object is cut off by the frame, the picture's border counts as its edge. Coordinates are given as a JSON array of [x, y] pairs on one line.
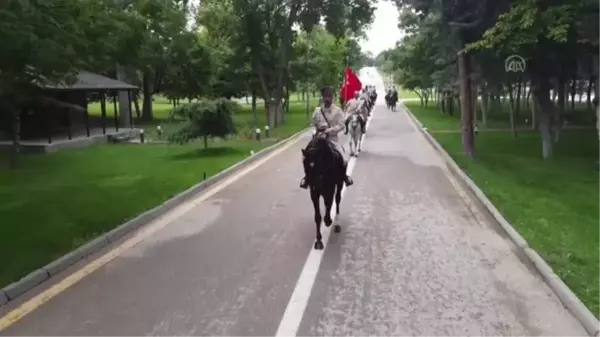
[[318, 159], [354, 121]]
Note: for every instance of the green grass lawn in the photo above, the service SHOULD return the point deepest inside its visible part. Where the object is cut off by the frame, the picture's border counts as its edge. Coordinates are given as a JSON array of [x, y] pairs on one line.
[[553, 204], [436, 121], [161, 106], [54, 203], [403, 93]]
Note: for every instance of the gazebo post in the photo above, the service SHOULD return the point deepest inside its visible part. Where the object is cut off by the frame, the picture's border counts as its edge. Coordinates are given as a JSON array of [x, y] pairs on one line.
[[69, 133], [130, 109], [103, 108], [116, 111]]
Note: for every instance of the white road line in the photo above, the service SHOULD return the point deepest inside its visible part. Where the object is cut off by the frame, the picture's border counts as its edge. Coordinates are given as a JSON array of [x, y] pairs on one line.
[[292, 317]]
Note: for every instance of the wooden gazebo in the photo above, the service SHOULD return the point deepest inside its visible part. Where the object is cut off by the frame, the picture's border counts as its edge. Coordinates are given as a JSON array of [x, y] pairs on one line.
[[72, 99]]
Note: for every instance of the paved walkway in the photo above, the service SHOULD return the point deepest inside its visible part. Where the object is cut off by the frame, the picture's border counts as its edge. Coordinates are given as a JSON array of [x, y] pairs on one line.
[[411, 260]]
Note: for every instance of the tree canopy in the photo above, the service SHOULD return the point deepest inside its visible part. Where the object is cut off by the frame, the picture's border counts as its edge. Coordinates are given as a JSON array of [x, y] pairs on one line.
[[461, 46], [221, 48]]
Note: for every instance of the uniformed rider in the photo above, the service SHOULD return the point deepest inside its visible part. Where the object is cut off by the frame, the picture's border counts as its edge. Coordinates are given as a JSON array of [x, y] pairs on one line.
[[331, 118], [355, 107]]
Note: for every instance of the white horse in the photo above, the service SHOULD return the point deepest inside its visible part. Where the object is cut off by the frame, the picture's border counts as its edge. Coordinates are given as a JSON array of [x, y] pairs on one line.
[[355, 135]]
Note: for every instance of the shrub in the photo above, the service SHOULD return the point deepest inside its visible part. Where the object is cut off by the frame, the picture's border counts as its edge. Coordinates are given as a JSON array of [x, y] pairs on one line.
[[204, 119]]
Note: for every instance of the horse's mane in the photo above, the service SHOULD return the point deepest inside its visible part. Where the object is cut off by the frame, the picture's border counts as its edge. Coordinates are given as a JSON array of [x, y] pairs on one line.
[[317, 144]]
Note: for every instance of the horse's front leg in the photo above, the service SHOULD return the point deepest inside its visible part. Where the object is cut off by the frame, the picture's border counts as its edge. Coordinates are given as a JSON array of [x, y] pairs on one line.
[[314, 196], [328, 198], [351, 145], [338, 198]]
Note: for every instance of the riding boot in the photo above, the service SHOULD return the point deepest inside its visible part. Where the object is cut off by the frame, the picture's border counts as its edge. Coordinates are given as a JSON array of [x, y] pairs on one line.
[[303, 183], [346, 123], [362, 126], [347, 178]]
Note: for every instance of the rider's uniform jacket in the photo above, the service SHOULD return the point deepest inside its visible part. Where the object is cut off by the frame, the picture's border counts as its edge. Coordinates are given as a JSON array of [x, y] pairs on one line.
[[335, 117], [365, 96], [353, 106]]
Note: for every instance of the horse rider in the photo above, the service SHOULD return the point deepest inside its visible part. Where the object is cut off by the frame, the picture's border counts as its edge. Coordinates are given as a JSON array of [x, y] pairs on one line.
[[366, 99], [331, 118], [373, 96], [354, 107]]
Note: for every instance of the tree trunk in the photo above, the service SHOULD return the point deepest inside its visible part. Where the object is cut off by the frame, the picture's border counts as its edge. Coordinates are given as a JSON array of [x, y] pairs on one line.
[[558, 113], [534, 113], [485, 103], [589, 92], [511, 110], [474, 94], [543, 105], [274, 111], [16, 139], [254, 109], [518, 101], [597, 91], [528, 96], [138, 113], [443, 102], [573, 92], [466, 111], [147, 114], [205, 142]]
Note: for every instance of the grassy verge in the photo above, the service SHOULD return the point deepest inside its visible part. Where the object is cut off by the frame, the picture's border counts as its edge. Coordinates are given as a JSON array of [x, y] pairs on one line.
[[55, 203], [553, 204], [499, 118]]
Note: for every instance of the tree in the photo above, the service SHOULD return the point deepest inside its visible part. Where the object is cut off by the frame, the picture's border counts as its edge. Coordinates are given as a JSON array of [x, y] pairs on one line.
[[204, 119], [544, 33], [268, 35], [49, 42], [189, 68]]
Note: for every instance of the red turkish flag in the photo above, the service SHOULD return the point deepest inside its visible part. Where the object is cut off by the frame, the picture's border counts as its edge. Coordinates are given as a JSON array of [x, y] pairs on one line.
[[351, 85]]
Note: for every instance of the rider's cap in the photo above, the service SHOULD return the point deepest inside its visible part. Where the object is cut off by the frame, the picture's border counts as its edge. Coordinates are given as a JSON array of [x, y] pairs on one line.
[[326, 90]]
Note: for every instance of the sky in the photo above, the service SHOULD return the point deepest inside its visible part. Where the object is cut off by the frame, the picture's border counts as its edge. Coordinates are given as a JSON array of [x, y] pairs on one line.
[[383, 33]]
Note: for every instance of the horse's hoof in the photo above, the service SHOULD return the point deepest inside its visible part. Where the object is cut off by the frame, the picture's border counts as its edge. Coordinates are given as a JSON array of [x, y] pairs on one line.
[[328, 222], [318, 245], [337, 228]]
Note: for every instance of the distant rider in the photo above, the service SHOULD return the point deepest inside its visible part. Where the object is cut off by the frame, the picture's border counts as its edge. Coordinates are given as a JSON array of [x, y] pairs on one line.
[[331, 118], [354, 107]]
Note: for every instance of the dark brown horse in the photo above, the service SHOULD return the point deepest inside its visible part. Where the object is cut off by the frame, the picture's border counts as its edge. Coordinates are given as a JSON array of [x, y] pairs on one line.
[[325, 179]]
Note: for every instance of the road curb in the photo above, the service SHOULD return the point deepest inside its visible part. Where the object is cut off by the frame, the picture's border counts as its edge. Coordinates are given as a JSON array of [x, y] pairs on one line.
[[3, 297], [36, 277], [564, 293]]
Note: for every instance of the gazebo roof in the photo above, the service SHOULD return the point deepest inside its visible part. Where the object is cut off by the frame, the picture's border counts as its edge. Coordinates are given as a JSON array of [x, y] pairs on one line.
[[88, 81]]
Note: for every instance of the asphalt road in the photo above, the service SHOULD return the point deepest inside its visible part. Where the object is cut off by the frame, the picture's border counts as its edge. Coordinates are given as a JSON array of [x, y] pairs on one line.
[[412, 259]]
